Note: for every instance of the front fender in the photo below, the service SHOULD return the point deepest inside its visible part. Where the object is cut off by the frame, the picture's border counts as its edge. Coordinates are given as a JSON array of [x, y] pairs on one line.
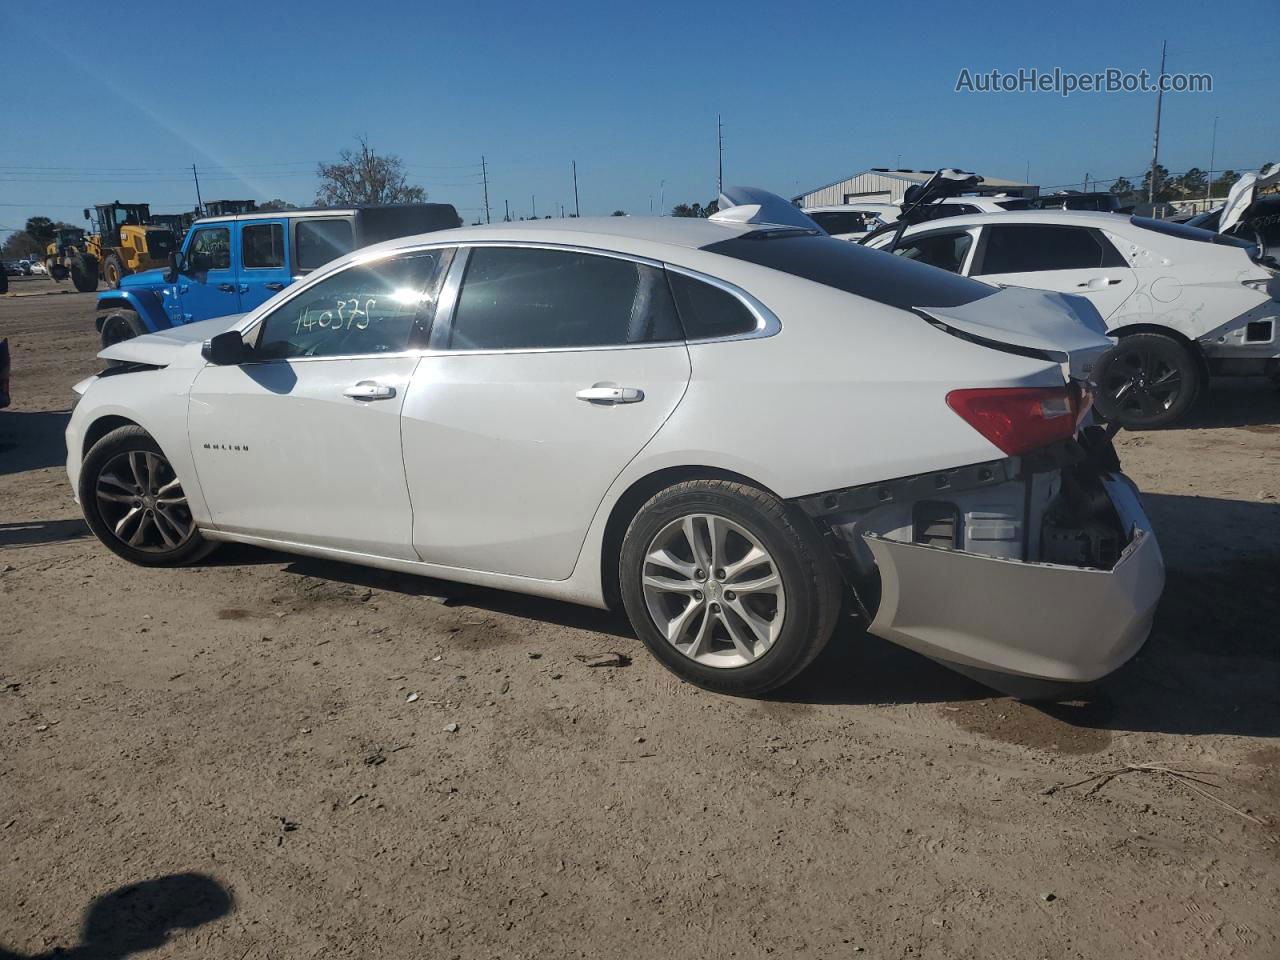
[[145, 303]]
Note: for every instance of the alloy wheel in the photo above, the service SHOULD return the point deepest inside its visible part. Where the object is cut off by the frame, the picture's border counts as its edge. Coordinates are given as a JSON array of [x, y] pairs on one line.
[[713, 590], [1143, 383], [142, 503]]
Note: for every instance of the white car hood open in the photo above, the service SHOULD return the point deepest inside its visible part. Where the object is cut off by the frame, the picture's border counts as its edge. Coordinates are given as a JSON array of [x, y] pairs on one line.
[[1068, 328], [158, 349]]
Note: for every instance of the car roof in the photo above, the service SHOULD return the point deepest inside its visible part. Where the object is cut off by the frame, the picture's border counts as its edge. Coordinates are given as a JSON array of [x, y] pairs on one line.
[[1077, 218], [860, 207]]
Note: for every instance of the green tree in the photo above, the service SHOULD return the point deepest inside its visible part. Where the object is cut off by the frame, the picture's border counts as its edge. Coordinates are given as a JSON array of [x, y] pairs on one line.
[[694, 209], [1191, 184], [41, 229], [618, 213], [1121, 186], [1163, 186], [1222, 185], [277, 204], [364, 176]]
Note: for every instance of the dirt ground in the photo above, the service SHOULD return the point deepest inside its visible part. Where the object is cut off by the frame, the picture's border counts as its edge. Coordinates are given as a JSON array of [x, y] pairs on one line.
[[224, 761]]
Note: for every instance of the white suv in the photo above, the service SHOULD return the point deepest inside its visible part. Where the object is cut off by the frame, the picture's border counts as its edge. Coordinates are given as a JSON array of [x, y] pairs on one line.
[[1185, 303]]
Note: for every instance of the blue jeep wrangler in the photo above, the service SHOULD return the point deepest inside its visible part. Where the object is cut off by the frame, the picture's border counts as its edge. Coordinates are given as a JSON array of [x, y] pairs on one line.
[[231, 264]]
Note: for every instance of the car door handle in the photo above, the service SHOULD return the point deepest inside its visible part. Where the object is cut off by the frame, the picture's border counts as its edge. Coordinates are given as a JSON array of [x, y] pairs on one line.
[[227, 287], [608, 395], [369, 390], [1099, 282], [274, 286]]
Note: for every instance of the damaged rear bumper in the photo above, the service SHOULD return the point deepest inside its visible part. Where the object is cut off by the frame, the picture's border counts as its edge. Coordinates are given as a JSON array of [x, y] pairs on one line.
[[1040, 620]]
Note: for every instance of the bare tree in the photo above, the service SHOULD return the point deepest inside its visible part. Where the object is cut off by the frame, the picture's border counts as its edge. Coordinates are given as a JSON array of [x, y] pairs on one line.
[[362, 176]]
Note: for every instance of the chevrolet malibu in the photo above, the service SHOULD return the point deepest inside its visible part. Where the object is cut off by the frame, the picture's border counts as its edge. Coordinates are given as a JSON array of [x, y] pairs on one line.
[[733, 429]]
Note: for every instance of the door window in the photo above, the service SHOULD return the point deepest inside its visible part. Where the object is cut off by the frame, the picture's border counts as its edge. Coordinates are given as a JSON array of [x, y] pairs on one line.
[[372, 308], [1031, 247], [319, 241], [525, 298], [262, 245], [210, 249], [944, 250]]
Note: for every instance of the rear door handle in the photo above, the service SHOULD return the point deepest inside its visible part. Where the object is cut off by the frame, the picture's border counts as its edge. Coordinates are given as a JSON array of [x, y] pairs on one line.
[[609, 395], [369, 390], [227, 287], [1099, 282], [275, 286]]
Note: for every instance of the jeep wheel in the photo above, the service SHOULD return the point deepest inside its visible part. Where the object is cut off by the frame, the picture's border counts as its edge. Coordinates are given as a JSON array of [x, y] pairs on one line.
[[112, 271], [121, 326]]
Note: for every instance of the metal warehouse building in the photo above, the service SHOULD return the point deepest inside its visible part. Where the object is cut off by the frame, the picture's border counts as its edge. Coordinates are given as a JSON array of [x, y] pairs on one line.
[[881, 185]]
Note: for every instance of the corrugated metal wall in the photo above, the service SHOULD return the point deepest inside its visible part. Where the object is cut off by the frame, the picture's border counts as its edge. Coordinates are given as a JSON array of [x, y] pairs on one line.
[[866, 186]]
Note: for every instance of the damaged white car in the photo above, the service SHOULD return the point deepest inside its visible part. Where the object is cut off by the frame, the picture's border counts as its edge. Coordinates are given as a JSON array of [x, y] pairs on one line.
[[735, 429]]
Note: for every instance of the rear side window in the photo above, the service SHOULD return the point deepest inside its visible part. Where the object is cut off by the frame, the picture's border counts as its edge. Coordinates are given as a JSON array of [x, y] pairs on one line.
[[841, 221], [319, 241], [526, 298], [262, 245], [943, 250], [708, 312], [853, 268], [1031, 247]]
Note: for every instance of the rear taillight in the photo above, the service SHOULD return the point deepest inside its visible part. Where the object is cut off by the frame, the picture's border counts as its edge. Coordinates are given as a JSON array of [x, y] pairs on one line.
[[1018, 419]]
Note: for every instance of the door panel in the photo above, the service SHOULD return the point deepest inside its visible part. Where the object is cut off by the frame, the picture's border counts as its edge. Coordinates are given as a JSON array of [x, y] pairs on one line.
[[506, 465], [282, 451], [213, 292], [1105, 287], [263, 261]]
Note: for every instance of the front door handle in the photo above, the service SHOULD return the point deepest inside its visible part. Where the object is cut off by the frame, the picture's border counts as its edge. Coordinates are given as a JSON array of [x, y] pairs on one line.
[[1097, 282], [369, 390], [609, 395], [275, 286], [227, 287]]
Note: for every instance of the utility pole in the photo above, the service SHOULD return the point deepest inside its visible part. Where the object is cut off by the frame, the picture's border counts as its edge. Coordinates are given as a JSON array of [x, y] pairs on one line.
[[1086, 184], [719, 156], [1027, 176], [577, 210], [484, 172], [199, 203], [1155, 139], [662, 198], [1213, 153], [533, 202]]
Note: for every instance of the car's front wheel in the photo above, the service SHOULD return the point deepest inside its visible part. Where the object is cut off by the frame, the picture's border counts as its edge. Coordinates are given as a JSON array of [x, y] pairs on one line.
[[728, 586], [134, 503]]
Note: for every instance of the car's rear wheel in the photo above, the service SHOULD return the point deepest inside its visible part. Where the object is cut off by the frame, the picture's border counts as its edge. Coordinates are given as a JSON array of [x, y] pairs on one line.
[[134, 503], [727, 586], [120, 326], [1147, 381]]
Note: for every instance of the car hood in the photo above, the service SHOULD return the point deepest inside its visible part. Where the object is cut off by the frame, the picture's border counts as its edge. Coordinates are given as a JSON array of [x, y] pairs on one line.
[[146, 279], [159, 349], [1243, 193], [1067, 328]]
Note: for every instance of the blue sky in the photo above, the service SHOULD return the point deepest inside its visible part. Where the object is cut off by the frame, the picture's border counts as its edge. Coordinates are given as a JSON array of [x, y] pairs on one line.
[[256, 93]]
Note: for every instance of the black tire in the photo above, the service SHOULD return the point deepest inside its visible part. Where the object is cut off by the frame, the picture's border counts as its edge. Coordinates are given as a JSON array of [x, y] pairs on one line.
[[112, 271], [120, 326], [809, 577], [4, 281], [84, 273], [58, 272], [98, 473], [1147, 381]]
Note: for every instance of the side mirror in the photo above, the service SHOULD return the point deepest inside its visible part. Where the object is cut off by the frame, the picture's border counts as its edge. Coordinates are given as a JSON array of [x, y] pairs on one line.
[[225, 350], [86, 213], [171, 275]]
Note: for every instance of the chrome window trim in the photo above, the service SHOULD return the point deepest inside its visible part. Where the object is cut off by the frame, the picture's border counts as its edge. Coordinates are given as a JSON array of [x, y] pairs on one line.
[[284, 232], [767, 322]]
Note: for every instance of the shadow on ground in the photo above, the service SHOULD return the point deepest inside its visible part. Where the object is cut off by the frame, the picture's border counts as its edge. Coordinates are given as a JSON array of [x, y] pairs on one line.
[[37, 532], [32, 440], [1236, 402], [141, 917]]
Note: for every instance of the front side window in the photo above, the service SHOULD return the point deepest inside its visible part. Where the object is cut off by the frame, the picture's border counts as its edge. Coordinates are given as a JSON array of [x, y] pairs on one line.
[[380, 307], [1032, 247], [319, 241], [262, 245], [210, 249], [526, 298], [943, 250]]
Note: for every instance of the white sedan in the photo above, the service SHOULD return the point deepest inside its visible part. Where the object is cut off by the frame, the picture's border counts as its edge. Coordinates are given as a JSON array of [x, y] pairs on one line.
[[734, 429], [1186, 303]]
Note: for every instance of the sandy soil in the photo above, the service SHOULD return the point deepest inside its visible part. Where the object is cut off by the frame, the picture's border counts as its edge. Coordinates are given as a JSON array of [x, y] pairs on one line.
[[222, 761]]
